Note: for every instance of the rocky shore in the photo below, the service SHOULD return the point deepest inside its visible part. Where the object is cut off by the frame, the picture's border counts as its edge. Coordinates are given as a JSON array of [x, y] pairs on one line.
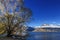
[[10, 38], [7, 38]]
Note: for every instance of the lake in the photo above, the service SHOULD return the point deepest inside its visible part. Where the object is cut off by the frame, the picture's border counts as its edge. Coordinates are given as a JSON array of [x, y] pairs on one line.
[[44, 36]]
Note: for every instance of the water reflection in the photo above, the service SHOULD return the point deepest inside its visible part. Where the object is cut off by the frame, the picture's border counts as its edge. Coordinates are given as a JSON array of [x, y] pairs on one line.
[[44, 36]]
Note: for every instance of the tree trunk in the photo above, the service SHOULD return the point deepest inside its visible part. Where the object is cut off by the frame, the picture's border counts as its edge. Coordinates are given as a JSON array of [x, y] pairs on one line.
[[8, 33]]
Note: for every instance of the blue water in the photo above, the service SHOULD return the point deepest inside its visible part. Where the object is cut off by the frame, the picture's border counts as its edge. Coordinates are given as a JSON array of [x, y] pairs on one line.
[[44, 36]]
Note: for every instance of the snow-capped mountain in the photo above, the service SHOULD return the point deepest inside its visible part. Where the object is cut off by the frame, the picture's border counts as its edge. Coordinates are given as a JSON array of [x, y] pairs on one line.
[[48, 26]]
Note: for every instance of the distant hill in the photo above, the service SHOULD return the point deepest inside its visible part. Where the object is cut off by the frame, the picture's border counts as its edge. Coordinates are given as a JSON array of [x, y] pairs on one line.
[[48, 26], [47, 30], [30, 29]]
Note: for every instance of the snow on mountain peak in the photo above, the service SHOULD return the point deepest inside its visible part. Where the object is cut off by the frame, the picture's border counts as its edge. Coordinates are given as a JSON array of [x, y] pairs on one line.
[[48, 25]]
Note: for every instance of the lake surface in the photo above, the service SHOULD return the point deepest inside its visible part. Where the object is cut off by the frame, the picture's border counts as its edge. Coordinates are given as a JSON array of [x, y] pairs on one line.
[[44, 36]]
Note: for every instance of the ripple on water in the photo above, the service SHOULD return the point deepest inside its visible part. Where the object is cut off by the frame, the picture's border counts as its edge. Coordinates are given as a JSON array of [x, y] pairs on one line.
[[44, 36]]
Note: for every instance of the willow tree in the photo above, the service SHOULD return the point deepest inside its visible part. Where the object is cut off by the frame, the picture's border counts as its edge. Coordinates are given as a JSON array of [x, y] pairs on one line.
[[14, 14]]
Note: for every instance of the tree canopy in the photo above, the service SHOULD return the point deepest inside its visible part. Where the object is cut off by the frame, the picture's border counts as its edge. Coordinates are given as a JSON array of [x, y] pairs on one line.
[[14, 15]]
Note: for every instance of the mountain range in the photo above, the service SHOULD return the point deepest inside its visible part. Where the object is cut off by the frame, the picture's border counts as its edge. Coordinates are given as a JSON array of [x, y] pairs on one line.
[[48, 26]]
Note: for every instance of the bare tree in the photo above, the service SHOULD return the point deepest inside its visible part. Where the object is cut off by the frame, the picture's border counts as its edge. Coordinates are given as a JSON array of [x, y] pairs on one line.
[[14, 15]]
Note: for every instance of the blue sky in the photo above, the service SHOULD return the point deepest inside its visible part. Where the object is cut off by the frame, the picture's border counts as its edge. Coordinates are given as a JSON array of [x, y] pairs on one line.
[[44, 11]]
